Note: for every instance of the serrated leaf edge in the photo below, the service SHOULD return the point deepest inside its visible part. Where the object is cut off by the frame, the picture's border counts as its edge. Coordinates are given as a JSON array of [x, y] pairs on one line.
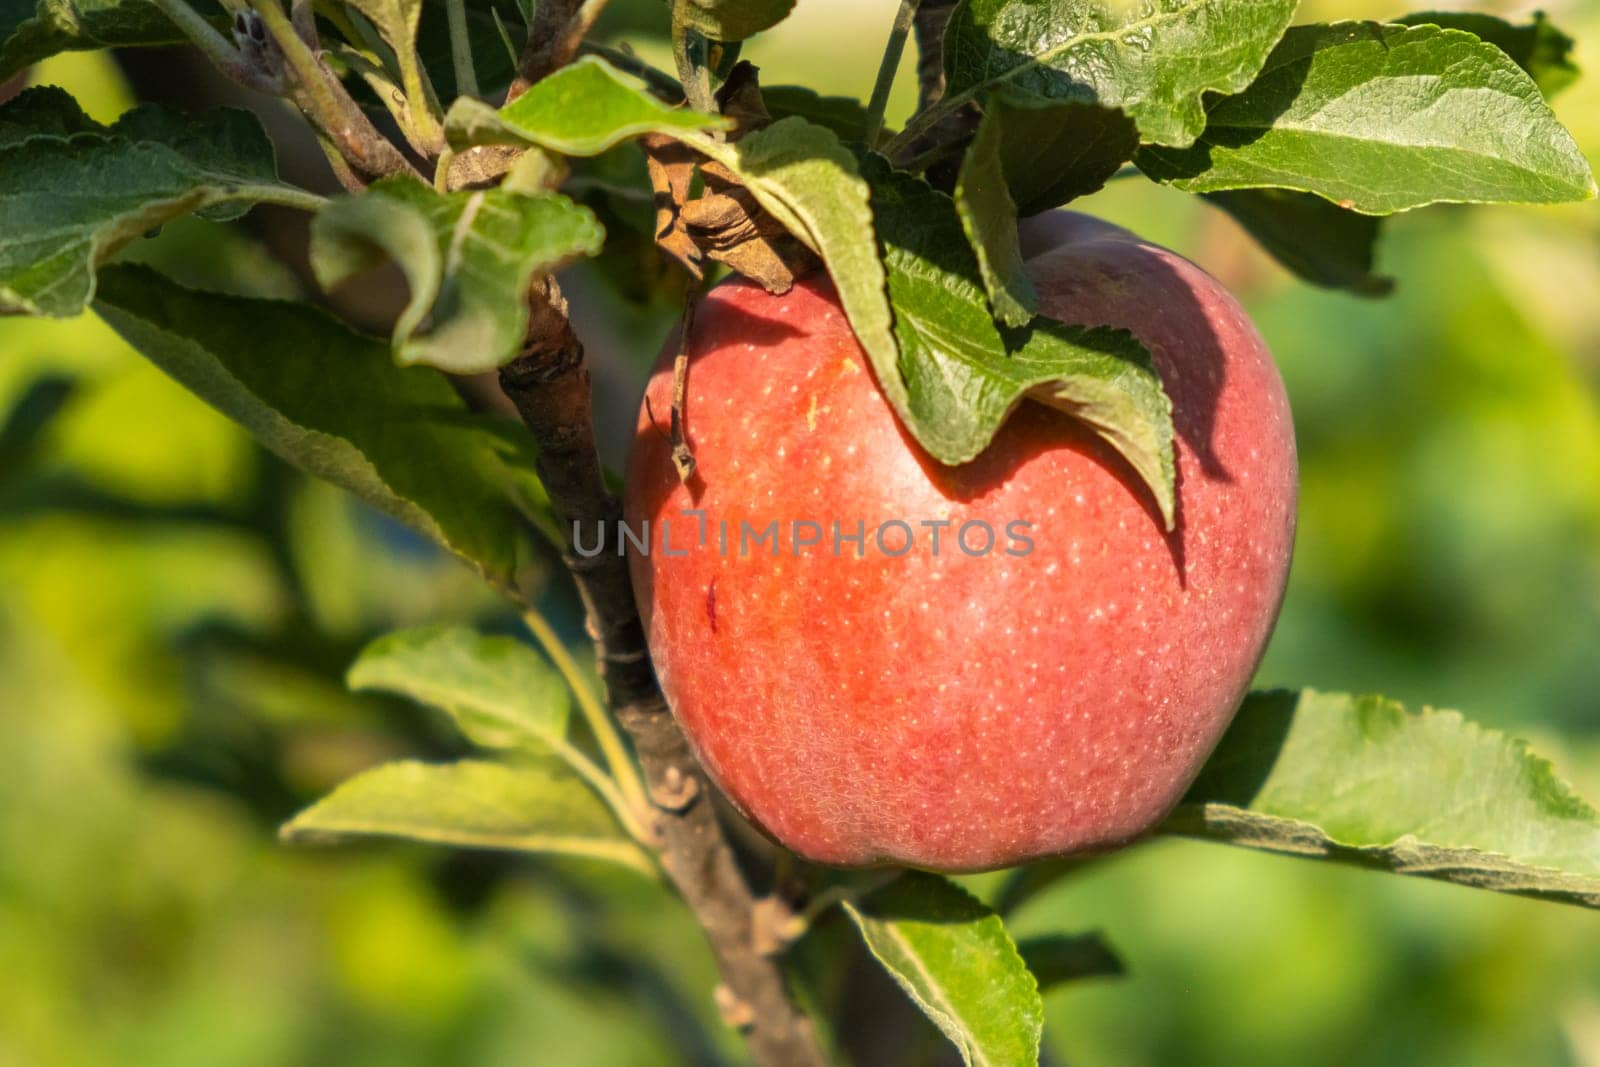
[[969, 1053]]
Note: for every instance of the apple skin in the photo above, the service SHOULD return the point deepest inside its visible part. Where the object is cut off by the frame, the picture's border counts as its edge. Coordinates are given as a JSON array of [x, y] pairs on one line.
[[947, 711]]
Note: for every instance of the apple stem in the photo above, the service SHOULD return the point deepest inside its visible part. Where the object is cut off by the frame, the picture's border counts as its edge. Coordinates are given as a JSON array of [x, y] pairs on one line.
[[549, 385]]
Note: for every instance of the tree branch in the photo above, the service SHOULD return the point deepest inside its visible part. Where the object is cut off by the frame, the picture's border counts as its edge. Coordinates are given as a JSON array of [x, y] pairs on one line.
[[554, 35], [931, 18], [925, 138], [549, 384]]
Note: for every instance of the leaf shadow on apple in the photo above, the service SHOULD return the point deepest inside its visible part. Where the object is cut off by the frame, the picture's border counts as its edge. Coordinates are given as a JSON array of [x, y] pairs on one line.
[[1086, 273], [1111, 278], [1245, 757], [1028, 434]]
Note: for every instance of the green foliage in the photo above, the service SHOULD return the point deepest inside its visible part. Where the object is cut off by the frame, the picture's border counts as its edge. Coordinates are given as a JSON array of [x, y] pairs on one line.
[[1067, 91], [963, 374], [1321, 243], [288, 374], [1360, 780], [1336, 113], [989, 219], [1153, 61], [31, 30], [581, 110], [945, 365], [532, 806], [844, 115], [954, 959], [405, 82], [802, 174], [497, 689], [546, 795], [72, 191], [468, 257], [1057, 153], [1537, 46], [730, 20]]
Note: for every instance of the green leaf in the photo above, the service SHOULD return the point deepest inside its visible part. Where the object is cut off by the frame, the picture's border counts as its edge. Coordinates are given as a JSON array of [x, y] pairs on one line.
[[31, 30], [72, 192], [1321, 243], [844, 115], [1359, 780], [1384, 118], [498, 690], [989, 219], [1057, 153], [537, 806], [805, 177], [468, 258], [1056, 959], [332, 402], [1537, 47], [959, 375], [954, 958], [582, 109], [1153, 60], [397, 22], [731, 20], [493, 63], [939, 357]]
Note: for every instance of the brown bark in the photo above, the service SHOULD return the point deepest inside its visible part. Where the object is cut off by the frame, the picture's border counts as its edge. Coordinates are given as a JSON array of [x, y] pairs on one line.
[[549, 384], [557, 30], [931, 18]]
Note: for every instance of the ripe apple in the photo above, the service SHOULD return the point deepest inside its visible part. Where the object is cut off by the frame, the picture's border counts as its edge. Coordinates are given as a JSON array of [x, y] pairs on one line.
[[955, 710]]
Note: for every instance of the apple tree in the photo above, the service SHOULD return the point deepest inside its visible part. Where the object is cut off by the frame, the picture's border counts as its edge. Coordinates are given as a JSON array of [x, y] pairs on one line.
[[481, 148]]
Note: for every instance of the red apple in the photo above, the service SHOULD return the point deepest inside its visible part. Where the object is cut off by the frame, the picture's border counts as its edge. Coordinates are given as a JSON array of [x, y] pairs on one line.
[[948, 710]]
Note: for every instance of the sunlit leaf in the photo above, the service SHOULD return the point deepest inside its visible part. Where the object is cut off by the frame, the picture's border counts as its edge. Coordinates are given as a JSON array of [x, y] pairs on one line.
[[959, 375], [468, 257], [1384, 118], [72, 192], [536, 806], [955, 960], [499, 690], [1361, 780], [989, 219], [1153, 60], [397, 22], [1536, 46], [334, 403], [582, 109]]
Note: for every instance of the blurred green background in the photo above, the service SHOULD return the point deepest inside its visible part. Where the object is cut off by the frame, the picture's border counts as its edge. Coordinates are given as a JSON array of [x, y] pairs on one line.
[[178, 609]]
